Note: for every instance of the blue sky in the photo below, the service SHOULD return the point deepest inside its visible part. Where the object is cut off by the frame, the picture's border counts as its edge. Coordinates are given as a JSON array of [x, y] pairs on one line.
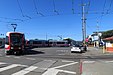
[[66, 24]]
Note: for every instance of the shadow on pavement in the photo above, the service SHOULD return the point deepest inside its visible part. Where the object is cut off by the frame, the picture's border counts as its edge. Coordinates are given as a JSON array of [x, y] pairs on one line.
[[32, 52]]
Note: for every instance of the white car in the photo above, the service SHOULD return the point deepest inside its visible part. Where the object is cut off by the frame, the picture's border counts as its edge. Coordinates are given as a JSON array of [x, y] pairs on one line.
[[77, 48]]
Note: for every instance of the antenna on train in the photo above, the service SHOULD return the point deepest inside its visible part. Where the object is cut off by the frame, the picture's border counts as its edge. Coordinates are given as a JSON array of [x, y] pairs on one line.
[[14, 26]]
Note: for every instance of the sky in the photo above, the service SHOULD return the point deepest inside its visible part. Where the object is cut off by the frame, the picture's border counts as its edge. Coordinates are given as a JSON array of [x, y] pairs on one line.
[[48, 19]]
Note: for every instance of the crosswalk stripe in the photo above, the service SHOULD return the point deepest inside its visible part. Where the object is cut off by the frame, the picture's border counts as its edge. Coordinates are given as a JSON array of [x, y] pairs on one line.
[[109, 61], [88, 62], [2, 63], [25, 71], [8, 67], [44, 65]]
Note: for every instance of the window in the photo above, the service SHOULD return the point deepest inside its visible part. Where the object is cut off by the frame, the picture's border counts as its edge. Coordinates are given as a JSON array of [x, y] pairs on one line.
[[7, 40]]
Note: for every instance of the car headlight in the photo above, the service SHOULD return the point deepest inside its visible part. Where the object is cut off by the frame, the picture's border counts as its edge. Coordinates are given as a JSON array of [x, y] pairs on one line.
[[19, 48]]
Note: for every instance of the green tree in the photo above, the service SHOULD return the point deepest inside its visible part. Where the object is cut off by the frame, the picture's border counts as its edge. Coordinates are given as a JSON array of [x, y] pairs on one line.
[[106, 34]]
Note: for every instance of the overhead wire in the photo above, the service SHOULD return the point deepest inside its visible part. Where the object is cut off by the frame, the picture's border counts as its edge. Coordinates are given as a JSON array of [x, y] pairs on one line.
[[73, 7], [22, 11], [109, 7], [88, 5], [34, 2], [103, 10], [11, 19], [55, 8]]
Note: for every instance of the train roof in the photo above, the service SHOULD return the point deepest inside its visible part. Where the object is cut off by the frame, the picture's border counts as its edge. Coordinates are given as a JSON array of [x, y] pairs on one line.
[[37, 40], [57, 41], [7, 34]]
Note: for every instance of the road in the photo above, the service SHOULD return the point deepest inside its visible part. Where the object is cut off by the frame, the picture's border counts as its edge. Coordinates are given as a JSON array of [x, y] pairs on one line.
[[56, 61]]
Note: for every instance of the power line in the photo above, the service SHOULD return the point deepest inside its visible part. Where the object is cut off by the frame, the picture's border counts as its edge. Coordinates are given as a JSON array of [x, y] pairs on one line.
[[55, 8], [103, 9], [22, 11], [20, 8], [88, 7], [34, 2], [73, 6], [11, 19], [109, 6]]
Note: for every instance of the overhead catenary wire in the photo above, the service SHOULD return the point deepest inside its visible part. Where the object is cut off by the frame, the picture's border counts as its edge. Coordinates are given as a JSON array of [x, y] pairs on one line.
[[6, 18], [87, 11], [103, 10], [109, 7], [34, 2], [22, 11], [55, 8], [73, 6]]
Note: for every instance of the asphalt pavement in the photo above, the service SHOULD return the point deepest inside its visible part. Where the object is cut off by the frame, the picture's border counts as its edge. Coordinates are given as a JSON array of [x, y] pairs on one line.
[[57, 61]]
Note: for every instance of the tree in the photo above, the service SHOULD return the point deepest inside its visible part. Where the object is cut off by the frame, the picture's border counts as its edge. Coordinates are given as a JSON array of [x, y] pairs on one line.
[[106, 34]]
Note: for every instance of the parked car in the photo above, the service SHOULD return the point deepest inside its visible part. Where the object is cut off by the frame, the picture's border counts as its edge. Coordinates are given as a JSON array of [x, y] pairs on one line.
[[78, 48]]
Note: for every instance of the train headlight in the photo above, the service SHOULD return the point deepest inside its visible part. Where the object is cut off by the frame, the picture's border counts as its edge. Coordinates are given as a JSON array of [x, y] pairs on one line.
[[12, 48]]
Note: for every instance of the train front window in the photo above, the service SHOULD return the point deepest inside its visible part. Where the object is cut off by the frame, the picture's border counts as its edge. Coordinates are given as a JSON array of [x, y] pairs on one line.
[[16, 39]]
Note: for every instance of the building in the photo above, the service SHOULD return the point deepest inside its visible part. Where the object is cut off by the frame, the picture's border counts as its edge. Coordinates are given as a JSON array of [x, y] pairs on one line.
[[108, 44]]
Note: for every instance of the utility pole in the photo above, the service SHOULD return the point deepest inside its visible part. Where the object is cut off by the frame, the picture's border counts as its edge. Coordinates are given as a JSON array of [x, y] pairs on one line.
[[14, 26], [97, 27], [98, 33], [83, 22]]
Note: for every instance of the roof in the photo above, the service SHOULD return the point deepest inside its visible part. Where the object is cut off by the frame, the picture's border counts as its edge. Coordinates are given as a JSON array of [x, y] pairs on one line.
[[109, 38], [7, 34]]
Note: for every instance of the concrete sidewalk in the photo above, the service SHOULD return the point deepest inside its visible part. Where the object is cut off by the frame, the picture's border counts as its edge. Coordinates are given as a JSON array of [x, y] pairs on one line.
[[97, 68], [93, 51]]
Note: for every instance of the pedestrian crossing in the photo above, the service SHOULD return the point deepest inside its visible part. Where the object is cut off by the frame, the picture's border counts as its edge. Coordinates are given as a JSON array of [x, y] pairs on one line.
[[43, 67]]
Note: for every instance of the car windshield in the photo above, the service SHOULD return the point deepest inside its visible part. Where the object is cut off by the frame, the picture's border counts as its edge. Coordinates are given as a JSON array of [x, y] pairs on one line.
[[76, 45]]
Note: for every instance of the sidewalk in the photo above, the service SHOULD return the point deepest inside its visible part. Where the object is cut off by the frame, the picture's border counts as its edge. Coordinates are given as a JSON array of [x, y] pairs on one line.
[[97, 67], [96, 52]]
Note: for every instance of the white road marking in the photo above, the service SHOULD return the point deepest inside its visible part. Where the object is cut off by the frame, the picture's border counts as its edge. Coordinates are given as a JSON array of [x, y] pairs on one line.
[[22, 65], [51, 71], [109, 61], [85, 62], [17, 57], [2, 63], [61, 54], [30, 58], [8, 67], [8, 56], [25, 71], [54, 70], [45, 64], [66, 65], [70, 72]]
